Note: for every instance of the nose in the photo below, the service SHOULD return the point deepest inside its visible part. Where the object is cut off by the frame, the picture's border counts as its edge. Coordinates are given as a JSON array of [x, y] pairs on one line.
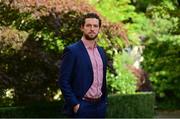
[[92, 27]]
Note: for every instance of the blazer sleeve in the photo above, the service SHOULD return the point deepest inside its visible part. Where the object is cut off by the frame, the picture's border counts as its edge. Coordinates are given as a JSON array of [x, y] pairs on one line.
[[65, 77]]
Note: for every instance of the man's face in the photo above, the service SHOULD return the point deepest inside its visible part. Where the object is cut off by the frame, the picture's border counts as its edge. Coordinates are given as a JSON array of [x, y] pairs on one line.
[[91, 28]]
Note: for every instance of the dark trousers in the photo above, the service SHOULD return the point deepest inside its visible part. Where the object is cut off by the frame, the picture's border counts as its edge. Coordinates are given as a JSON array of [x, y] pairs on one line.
[[91, 110]]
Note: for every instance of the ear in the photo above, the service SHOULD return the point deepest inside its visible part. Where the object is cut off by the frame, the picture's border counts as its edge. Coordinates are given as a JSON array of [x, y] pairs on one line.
[[82, 28]]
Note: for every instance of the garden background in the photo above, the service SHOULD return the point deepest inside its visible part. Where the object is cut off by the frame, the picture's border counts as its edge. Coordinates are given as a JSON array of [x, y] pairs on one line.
[[144, 34]]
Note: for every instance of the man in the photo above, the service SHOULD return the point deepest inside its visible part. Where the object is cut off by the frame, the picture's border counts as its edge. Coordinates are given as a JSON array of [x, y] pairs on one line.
[[83, 73]]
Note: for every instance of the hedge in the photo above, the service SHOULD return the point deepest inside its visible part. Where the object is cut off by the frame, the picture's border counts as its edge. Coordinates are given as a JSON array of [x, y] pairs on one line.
[[123, 106], [35, 110], [140, 105]]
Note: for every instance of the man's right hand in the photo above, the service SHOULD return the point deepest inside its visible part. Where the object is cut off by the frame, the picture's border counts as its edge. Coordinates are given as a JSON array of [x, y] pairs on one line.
[[75, 108]]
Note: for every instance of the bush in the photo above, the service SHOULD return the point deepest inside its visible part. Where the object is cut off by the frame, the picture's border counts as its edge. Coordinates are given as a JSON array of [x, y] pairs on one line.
[[161, 54], [122, 81], [122, 106], [38, 109], [139, 105]]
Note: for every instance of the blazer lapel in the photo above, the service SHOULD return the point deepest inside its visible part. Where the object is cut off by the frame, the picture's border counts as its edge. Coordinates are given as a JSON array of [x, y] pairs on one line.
[[86, 55]]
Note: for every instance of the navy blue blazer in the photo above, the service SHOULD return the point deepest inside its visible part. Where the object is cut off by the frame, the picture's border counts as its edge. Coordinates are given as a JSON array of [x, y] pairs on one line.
[[76, 73]]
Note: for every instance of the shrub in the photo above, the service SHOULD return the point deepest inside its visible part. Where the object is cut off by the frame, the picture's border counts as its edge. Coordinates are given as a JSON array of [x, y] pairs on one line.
[[161, 57], [36, 110], [119, 106], [139, 105]]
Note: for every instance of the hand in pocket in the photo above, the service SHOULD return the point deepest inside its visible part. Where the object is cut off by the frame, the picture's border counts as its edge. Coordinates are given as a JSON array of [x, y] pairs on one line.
[[76, 108]]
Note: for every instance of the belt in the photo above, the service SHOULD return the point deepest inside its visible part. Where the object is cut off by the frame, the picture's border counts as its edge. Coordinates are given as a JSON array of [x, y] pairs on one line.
[[93, 100]]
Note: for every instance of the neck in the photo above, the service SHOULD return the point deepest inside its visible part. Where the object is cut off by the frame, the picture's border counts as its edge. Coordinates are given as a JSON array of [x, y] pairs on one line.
[[90, 42]]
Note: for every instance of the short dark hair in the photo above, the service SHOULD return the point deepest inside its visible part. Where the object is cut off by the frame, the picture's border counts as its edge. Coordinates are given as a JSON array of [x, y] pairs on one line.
[[90, 15]]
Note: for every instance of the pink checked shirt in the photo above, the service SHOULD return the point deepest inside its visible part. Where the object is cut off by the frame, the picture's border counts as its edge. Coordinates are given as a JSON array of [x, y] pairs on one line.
[[97, 65]]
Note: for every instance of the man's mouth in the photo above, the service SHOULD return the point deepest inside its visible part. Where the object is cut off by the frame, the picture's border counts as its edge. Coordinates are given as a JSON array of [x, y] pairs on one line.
[[91, 33]]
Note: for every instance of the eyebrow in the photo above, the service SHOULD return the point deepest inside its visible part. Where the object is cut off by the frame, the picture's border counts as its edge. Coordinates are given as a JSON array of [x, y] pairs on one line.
[[93, 24]]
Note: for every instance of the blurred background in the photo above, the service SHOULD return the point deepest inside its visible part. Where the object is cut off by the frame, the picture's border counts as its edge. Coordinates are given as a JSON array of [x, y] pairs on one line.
[[141, 39]]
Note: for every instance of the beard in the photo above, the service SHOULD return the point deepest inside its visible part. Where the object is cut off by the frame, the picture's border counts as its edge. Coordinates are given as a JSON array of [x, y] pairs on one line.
[[88, 37]]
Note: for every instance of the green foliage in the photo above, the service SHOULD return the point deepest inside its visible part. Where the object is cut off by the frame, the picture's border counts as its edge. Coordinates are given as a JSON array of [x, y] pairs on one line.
[[123, 81], [162, 49], [50, 42], [139, 105], [114, 9], [137, 24], [34, 110], [164, 68]]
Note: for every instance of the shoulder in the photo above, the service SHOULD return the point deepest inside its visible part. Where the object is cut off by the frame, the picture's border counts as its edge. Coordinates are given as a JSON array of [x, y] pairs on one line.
[[73, 46], [72, 49]]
